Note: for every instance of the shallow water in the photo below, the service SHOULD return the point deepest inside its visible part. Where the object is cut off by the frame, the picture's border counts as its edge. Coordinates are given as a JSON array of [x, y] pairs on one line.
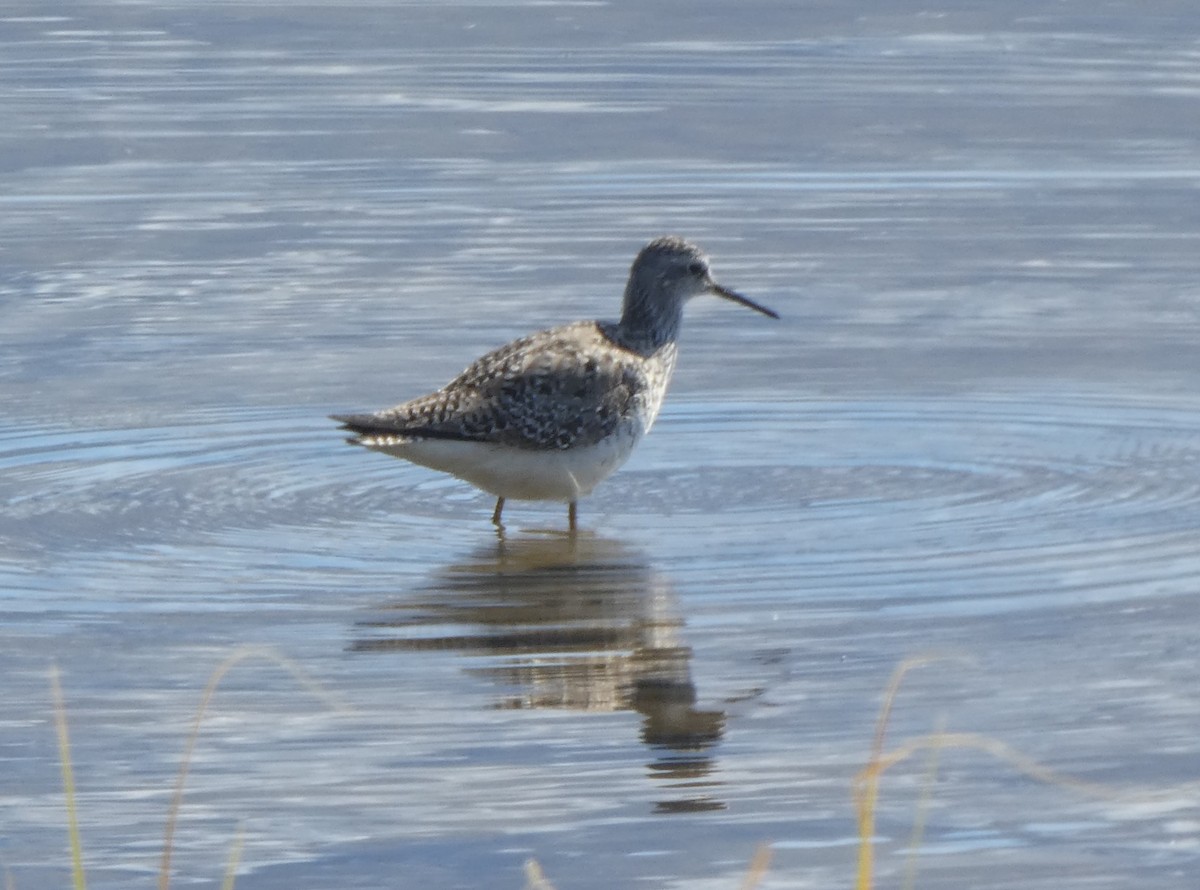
[[975, 432]]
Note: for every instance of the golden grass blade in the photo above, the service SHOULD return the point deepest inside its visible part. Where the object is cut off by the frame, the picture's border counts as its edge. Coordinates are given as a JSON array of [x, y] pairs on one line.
[[866, 785], [237, 656], [1026, 765], [535, 879], [893, 689], [235, 857], [68, 777], [918, 829], [866, 792], [759, 863]]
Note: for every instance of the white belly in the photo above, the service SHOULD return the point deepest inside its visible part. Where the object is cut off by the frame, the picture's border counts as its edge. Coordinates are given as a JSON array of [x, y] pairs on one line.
[[517, 473]]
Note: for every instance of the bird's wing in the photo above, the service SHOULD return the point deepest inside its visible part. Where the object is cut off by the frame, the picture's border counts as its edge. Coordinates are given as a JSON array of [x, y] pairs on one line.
[[564, 387]]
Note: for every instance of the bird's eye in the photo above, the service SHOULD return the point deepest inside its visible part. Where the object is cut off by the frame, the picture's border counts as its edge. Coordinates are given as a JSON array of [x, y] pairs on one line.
[[697, 268]]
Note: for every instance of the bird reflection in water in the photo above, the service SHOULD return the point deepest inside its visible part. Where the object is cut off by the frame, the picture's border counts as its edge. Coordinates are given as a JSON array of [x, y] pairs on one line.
[[571, 622]]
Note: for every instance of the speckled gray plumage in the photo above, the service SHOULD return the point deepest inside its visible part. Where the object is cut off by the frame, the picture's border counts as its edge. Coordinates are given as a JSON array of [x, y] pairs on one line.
[[566, 387]]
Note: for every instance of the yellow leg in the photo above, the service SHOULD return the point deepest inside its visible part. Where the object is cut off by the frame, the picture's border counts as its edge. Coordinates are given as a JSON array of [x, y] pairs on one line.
[[572, 514], [496, 513]]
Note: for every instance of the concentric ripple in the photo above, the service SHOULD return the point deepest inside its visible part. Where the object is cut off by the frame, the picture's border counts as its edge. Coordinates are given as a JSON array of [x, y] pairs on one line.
[[1011, 497], [1004, 496]]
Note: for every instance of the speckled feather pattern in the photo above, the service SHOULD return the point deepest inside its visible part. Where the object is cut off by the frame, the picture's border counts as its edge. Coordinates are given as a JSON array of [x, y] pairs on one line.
[[566, 387]]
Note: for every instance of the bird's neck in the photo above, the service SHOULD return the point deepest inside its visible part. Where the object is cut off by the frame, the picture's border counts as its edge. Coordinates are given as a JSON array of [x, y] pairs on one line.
[[648, 323]]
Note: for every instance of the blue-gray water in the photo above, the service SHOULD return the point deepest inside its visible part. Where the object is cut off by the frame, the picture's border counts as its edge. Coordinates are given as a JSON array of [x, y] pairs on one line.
[[975, 431]]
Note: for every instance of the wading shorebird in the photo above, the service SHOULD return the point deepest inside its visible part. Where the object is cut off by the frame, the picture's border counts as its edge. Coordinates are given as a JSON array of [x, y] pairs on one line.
[[549, 416]]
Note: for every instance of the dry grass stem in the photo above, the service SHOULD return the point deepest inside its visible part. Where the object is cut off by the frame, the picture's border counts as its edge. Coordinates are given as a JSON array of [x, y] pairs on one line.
[[866, 783], [759, 863], [535, 878], [239, 655], [235, 857], [68, 777]]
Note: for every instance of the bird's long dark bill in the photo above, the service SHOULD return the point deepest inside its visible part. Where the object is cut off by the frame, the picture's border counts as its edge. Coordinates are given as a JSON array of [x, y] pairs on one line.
[[745, 301]]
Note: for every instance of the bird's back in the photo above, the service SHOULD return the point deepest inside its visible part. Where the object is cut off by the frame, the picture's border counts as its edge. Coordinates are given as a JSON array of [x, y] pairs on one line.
[[566, 387]]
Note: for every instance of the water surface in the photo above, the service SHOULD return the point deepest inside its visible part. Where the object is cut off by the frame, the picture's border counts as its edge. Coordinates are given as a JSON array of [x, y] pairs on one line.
[[976, 430]]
